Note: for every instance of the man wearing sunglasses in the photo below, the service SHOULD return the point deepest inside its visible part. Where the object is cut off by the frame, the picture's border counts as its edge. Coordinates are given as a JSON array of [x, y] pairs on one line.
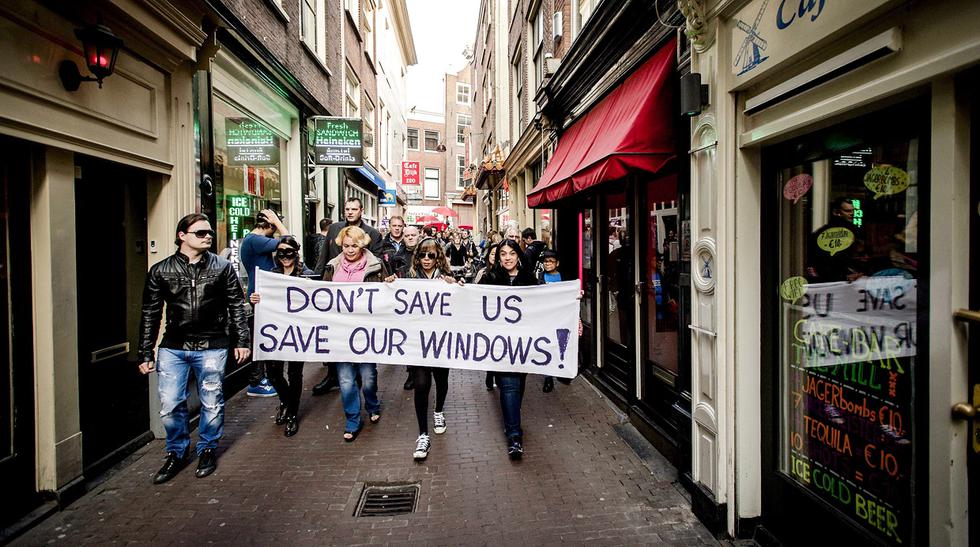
[[256, 251], [205, 317]]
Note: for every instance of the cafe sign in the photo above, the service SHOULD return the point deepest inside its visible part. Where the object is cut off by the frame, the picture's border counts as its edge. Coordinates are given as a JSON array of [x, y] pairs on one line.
[[338, 142], [410, 173], [250, 143], [767, 34]]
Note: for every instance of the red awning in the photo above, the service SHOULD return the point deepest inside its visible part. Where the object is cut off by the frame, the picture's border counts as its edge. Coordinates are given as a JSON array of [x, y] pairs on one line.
[[629, 131]]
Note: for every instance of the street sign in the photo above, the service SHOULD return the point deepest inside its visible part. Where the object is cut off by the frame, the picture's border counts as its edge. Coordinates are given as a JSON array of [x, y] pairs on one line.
[[338, 142]]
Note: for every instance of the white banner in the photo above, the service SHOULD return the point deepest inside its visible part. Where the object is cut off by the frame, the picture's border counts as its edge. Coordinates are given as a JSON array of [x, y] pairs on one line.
[[419, 322]]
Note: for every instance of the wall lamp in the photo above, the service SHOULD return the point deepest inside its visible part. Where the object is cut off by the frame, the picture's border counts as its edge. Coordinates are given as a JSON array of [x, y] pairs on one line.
[[100, 47], [694, 94]]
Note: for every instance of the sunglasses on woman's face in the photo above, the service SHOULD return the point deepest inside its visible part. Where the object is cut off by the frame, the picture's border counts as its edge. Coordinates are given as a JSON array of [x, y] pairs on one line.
[[201, 234], [285, 253], [430, 256]]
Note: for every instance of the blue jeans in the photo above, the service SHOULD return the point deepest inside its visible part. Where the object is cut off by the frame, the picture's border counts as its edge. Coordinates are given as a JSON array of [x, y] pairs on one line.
[[511, 386], [351, 397], [173, 368]]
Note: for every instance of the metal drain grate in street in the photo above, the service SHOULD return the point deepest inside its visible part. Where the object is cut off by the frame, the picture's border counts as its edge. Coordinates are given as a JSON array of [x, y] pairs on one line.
[[387, 500]]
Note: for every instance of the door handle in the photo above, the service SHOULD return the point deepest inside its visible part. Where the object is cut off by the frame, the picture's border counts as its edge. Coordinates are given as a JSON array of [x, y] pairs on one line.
[[109, 352], [964, 411], [968, 316]]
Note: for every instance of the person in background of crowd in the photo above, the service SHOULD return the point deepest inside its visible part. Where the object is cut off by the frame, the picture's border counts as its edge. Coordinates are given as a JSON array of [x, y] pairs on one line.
[[317, 241], [532, 248], [356, 264], [393, 241], [353, 209], [400, 264], [289, 264], [429, 262], [255, 251], [205, 317], [549, 274], [508, 271], [456, 251]]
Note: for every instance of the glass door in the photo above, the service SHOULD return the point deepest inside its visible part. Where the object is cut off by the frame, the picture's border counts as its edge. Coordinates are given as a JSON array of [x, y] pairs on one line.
[[841, 458], [618, 299]]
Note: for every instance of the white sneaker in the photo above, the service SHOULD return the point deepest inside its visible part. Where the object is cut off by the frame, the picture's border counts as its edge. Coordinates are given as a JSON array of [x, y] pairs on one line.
[[421, 447], [439, 422]]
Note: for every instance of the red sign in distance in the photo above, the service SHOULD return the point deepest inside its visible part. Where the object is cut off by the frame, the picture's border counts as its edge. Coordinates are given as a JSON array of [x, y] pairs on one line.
[[410, 173]]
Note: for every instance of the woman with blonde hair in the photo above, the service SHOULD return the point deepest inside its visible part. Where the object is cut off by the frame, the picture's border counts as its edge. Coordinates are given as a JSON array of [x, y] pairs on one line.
[[429, 262], [356, 264]]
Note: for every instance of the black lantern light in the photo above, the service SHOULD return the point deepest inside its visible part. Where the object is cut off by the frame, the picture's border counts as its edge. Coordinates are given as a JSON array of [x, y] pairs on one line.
[[100, 47], [694, 94]]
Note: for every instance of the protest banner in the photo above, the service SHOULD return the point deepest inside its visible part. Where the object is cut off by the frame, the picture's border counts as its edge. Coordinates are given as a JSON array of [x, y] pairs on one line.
[[419, 322]]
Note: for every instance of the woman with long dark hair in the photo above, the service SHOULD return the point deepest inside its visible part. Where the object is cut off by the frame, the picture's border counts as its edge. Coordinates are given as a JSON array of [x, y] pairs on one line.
[[507, 270], [429, 262], [287, 263]]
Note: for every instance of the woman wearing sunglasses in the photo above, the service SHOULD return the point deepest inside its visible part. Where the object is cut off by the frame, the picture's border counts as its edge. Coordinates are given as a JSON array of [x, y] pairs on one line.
[[507, 270], [287, 262], [429, 262], [356, 264]]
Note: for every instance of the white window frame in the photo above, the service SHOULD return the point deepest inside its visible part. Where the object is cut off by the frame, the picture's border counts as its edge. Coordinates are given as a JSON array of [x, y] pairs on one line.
[[460, 167], [462, 93], [353, 8], [537, 46], [352, 95], [368, 29], [520, 84], [369, 127], [425, 141], [461, 127], [408, 139], [581, 16], [426, 180]]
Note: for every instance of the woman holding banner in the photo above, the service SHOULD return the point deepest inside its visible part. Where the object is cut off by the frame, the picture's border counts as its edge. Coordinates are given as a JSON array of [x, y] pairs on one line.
[[429, 262], [489, 258], [356, 264], [507, 270], [287, 263]]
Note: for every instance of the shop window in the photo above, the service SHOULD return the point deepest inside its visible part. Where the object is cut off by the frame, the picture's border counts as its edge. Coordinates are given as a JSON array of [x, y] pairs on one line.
[[248, 171], [462, 93], [413, 138], [847, 282], [431, 183], [462, 122], [431, 141]]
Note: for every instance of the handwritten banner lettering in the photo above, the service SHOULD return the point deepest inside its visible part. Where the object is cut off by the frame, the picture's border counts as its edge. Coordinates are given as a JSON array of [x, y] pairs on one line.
[[419, 322]]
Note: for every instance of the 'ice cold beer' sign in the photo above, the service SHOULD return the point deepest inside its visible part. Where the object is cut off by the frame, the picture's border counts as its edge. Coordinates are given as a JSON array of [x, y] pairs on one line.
[[419, 322]]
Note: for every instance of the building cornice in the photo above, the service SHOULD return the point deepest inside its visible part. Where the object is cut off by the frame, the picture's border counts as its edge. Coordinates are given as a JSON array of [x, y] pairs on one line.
[[403, 29]]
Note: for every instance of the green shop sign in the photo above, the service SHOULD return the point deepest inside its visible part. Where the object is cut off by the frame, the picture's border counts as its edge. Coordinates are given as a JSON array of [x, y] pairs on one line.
[[338, 142], [250, 143], [240, 216]]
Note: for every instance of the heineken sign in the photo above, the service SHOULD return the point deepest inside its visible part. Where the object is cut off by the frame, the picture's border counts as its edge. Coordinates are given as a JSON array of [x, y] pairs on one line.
[[338, 142], [250, 143]]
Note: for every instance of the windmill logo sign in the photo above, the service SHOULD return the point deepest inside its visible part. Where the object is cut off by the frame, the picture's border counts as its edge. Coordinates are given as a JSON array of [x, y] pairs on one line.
[[750, 54]]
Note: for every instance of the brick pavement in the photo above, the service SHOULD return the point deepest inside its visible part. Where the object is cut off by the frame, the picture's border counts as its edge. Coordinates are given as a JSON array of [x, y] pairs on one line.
[[578, 481]]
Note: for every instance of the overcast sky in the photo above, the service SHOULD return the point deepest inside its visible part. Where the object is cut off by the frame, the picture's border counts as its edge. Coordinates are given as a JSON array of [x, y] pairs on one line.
[[441, 30]]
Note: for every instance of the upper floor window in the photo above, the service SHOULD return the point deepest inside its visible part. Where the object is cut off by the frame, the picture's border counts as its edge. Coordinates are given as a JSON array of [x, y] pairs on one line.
[[431, 183], [353, 8], [583, 10], [431, 141], [413, 138], [462, 122], [537, 47], [462, 93], [368, 29], [369, 132], [352, 90]]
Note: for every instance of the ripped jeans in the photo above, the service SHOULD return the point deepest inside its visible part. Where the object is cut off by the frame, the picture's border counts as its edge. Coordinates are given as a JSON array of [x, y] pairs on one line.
[[173, 368]]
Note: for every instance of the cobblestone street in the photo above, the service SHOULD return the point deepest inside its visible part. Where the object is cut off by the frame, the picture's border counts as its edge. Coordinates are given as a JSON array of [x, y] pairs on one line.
[[579, 482]]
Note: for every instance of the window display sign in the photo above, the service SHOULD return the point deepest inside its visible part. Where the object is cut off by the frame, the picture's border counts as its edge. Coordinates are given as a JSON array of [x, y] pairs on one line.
[[240, 216], [338, 142], [410, 173], [848, 316], [250, 143], [389, 198]]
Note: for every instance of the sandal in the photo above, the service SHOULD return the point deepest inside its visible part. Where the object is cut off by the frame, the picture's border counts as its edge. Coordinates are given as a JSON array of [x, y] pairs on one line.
[[375, 418], [349, 436]]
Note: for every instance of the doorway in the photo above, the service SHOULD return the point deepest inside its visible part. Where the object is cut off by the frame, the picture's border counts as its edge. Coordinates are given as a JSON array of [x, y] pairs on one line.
[[17, 448], [972, 316], [110, 220]]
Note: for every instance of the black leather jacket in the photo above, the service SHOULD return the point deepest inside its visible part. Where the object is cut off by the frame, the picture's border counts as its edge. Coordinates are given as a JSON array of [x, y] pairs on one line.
[[205, 305]]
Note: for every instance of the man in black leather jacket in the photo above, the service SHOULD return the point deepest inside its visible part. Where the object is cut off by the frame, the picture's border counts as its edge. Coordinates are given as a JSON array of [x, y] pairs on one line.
[[205, 317]]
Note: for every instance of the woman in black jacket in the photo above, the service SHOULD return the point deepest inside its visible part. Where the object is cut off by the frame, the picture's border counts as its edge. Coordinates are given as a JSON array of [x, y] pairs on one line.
[[287, 263], [507, 270]]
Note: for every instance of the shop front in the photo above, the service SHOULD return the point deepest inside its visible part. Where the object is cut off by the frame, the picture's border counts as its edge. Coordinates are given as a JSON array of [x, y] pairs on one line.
[[838, 156], [615, 178]]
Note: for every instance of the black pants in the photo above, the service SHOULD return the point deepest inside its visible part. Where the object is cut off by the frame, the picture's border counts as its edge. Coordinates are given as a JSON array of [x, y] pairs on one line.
[[423, 381], [289, 392]]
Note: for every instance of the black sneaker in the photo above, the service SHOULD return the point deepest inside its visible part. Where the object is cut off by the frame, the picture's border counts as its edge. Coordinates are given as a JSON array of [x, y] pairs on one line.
[[409, 384], [281, 414], [549, 384], [515, 448], [421, 447], [292, 426], [207, 462], [171, 467]]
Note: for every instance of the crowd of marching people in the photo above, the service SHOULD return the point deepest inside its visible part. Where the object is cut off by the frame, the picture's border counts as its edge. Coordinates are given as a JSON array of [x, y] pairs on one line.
[[207, 321]]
